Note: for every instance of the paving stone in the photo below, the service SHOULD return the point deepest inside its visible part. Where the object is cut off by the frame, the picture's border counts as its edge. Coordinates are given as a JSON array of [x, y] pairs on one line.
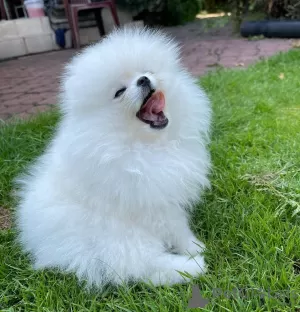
[[31, 83]]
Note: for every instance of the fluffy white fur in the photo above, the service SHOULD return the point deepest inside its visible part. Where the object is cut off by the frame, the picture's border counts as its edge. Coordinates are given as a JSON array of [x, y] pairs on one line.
[[110, 198]]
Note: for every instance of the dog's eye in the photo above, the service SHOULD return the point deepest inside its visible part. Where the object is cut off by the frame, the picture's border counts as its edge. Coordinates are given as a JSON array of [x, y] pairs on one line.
[[120, 92]]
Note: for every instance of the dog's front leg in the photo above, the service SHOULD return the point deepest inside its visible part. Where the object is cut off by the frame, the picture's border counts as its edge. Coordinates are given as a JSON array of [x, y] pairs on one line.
[[180, 239]]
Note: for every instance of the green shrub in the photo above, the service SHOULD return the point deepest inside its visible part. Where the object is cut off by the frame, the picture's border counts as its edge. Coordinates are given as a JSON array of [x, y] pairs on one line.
[[213, 6], [289, 9], [285, 8], [163, 12]]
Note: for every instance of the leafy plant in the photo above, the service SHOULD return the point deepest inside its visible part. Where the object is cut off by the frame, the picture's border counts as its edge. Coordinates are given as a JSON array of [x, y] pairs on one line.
[[293, 9], [163, 12]]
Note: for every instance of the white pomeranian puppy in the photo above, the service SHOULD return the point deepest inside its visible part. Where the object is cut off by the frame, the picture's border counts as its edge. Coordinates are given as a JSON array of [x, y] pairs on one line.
[[110, 198]]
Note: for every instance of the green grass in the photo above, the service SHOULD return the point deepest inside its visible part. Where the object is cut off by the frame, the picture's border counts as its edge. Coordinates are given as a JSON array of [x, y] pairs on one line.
[[249, 220]]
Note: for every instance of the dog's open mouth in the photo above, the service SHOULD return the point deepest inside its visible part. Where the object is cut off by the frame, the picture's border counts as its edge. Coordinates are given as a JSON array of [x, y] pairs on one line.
[[151, 111]]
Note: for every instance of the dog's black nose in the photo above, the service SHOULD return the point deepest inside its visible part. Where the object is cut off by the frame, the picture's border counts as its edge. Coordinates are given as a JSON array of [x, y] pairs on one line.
[[143, 81]]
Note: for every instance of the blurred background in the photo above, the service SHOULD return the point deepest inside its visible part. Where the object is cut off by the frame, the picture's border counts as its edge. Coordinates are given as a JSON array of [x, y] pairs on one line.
[[33, 26], [37, 38]]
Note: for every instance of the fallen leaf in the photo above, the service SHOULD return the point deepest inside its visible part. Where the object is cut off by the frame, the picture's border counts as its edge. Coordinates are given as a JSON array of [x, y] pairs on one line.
[[296, 43]]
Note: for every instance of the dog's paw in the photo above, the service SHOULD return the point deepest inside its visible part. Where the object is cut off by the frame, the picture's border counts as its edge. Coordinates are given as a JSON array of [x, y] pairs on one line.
[[181, 271], [194, 247]]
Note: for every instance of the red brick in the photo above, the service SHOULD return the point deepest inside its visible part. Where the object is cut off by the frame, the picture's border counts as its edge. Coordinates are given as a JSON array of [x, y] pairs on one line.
[[36, 109], [50, 100], [7, 97], [12, 109]]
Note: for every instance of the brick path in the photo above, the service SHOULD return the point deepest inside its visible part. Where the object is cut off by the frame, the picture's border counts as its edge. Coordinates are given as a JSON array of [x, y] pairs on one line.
[[30, 84]]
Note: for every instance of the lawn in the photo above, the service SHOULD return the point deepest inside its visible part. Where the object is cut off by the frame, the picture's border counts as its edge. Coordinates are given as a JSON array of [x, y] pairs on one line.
[[249, 220]]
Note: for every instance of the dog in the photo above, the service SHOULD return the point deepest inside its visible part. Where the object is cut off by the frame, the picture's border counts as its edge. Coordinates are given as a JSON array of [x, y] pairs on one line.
[[111, 197]]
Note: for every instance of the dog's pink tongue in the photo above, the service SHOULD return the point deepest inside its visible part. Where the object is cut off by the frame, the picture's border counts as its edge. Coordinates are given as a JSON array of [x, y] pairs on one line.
[[153, 107]]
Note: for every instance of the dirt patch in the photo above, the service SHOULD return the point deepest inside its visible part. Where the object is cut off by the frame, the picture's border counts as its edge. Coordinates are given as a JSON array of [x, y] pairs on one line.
[[5, 219]]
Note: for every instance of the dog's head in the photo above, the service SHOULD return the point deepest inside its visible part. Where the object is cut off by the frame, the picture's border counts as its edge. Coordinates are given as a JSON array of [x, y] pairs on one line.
[[131, 83]]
